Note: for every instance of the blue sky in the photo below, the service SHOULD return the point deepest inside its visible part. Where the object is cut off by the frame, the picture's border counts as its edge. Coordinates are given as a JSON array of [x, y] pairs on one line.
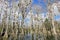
[[43, 4]]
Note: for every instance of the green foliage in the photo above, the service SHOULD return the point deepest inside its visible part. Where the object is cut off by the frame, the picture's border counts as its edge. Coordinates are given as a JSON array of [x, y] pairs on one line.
[[0, 29], [51, 37], [48, 24]]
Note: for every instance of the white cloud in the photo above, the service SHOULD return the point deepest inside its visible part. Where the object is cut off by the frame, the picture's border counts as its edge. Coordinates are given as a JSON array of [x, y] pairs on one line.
[[56, 10]]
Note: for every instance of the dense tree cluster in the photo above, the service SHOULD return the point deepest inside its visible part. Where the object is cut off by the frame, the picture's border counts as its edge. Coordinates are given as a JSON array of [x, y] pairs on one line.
[[22, 20]]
